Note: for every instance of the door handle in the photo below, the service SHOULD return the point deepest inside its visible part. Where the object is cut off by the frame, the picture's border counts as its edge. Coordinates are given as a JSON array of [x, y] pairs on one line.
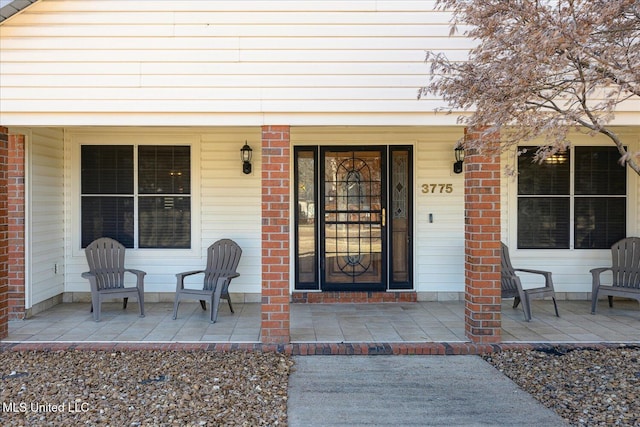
[[384, 217]]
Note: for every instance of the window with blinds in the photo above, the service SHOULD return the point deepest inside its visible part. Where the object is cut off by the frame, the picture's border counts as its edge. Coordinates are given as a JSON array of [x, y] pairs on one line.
[[574, 199], [140, 196]]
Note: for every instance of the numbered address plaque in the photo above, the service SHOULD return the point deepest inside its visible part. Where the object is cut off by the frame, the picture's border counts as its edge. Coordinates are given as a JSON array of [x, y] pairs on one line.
[[437, 188]]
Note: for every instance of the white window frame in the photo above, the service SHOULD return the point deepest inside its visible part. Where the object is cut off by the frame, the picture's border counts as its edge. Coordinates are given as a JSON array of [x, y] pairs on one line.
[[510, 205], [77, 140]]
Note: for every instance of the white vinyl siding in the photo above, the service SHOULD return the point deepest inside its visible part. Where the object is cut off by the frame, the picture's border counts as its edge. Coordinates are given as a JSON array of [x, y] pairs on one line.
[[438, 246], [220, 62], [338, 72], [231, 202], [225, 204], [46, 225], [226, 62]]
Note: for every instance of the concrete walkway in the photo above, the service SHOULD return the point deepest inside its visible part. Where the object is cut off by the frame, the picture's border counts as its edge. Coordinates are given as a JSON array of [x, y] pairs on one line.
[[408, 391]]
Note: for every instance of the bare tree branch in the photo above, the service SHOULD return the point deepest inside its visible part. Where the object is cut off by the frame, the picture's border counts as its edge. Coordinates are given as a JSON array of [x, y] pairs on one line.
[[542, 68]]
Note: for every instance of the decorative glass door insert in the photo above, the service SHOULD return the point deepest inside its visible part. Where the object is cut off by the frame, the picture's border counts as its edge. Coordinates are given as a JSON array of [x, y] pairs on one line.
[[353, 223], [354, 220]]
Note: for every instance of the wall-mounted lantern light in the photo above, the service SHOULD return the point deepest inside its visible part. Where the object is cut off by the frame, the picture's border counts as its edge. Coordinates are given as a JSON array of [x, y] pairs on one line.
[[459, 153], [245, 156]]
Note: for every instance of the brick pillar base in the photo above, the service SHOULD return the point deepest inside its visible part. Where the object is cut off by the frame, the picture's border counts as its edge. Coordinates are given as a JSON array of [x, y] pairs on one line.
[[16, 217], [275, 234], [482, 244], [4, 235]]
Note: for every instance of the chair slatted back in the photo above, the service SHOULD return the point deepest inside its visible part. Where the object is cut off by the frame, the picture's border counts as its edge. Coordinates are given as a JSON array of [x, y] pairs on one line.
[[223, 258], [507, 274], [105, 257], [625, 265]]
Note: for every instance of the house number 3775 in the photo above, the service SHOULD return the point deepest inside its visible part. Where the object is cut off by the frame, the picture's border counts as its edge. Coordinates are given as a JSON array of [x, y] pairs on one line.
[[437, 188]]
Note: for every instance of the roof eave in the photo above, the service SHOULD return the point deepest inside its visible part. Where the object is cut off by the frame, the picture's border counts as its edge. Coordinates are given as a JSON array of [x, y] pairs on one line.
[[13, 7]]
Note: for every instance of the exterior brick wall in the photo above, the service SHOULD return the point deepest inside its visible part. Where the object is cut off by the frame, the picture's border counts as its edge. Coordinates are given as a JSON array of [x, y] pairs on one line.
[[16, 218], [482, 245], [4, 234], [275, 234]]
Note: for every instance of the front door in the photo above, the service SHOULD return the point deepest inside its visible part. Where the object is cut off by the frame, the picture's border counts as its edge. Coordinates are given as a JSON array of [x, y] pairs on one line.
[[353, 202], [359, 237]]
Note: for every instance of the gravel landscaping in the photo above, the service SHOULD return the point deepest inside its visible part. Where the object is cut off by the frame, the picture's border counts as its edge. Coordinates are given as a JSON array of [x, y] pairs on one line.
[[197, 388], [143, 388], [585, 387]]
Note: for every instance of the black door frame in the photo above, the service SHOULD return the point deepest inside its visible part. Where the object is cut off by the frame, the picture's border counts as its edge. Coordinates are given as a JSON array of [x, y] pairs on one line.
[[317, 156]]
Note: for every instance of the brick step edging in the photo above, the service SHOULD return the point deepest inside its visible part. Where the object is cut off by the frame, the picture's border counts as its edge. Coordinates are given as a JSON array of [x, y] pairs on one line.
[[353, 297], [316, 349]]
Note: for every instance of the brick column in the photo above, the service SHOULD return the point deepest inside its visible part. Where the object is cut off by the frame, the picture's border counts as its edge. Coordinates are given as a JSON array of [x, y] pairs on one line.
[[482, 243], [16, 217], [275, 234], [4, 235]]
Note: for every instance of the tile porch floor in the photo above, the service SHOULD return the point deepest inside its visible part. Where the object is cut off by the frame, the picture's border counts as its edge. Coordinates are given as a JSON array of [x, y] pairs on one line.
[[329, 323]]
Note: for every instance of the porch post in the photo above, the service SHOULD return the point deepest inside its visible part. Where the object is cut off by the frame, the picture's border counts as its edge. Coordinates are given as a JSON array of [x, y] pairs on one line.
[[16, 217], [4, 234], [275, 234], [483, 323]]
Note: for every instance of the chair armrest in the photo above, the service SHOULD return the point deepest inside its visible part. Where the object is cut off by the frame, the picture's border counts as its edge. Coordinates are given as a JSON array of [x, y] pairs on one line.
[[139, 277], [600, 270], [527, 270], [188, 273], [91, 277], [595, 274], [180, 278], [547, 275], [136, 272]]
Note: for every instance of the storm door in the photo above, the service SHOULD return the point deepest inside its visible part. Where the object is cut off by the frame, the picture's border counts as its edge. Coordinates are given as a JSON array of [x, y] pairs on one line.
[[353, 246], [359, 237]]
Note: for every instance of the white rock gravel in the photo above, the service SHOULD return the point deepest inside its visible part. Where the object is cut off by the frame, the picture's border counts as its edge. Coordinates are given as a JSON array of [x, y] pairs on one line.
[[143, 388], [585, 387]]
